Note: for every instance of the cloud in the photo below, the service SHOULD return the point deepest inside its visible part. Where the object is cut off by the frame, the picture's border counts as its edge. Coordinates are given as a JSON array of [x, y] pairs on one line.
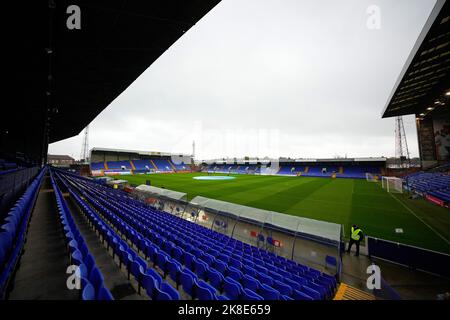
[[309, 73]]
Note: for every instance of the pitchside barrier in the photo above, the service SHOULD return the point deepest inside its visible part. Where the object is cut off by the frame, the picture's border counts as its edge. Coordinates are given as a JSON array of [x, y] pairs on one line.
[[410, 256]]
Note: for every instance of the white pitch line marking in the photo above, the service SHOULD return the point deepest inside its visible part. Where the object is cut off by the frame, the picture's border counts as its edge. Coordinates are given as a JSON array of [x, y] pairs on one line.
[[421, 220]]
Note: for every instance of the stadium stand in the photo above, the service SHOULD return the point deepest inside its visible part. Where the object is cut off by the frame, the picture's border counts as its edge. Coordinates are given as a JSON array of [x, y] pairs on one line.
[[13, 231], [181, 166], [90, 276], [201, 263], [98, 166], [140, 166], [163, 165], [13, 183], [119, 165], [7, 166], [434, 184], [347, 171]]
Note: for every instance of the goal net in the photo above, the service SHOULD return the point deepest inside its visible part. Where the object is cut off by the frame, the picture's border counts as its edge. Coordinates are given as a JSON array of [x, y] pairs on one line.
[[392, 184], [372, 177]]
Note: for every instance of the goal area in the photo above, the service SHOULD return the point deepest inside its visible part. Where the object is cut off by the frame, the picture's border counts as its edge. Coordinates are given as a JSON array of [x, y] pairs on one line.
[[392, 184]]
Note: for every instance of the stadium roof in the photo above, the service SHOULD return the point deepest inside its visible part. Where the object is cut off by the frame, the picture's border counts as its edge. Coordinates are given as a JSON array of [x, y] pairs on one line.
[[266, 161], [147, 153], [67, 77], [425, 78]]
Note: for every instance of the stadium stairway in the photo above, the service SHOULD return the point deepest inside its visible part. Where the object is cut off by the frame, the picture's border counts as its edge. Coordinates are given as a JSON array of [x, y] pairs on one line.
[[115, 280], [153, 164], [132, 165], [346, 292], [41, 273]]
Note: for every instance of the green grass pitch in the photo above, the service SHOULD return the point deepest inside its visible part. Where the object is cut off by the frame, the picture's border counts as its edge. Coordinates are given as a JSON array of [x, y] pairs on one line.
[[343, 201]]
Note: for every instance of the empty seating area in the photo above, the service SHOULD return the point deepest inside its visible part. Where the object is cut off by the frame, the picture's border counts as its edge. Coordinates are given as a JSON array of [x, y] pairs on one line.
[[181, 166], [98, 166], [172, 258], [314, 170], [13, 184], [119, 165], [13, 231], [163, 165], [238, 169], [139, 166], [91, 279], [435, 184], [6, 166], [142, 165]]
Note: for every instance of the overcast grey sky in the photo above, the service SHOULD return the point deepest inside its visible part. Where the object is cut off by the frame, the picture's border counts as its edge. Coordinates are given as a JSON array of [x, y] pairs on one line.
[[270, 78]]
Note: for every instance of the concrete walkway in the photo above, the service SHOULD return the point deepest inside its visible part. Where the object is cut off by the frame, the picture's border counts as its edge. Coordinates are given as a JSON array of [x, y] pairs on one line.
[[41, 274], [115, 280], [409, 284]]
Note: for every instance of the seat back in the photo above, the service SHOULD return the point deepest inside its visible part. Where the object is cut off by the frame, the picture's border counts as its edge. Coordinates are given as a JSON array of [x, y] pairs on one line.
[[248, 294], [268, 293], [232, 288], [88, 292], [104, 294], [96, 278]]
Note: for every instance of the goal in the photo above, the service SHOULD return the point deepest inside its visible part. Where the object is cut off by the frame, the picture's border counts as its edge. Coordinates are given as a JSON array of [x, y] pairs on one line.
[[392, 184], [372, 177]]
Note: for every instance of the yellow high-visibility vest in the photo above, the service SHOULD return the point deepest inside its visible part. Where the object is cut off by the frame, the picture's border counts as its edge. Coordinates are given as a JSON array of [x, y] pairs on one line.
[[355, 234]]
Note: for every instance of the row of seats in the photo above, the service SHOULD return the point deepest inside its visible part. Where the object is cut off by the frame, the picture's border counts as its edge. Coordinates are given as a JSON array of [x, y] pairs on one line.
[[7, 166], [13, 231], [436, 184], [281, 276], [13, 183], [90, 277], [148, 278], [144, 165], [238, 169], [358, 172]]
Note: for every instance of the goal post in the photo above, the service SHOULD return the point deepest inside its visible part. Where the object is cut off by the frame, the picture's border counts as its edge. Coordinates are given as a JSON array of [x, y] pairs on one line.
[[392, 184]]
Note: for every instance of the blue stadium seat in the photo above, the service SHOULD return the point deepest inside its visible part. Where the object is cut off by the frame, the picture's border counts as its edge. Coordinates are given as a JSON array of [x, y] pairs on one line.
[[201, 268], [96, 278], [250, 283], [234, 273], [268, 293], [166, 292], [149, 284], [298, 295], [104, 294], [215, 278], [89, 262], [311, 292], [248, 294], [187, 280], [88, 292], [232, 289], [174, 270], [283, 288], [77, 257], [204, 291]]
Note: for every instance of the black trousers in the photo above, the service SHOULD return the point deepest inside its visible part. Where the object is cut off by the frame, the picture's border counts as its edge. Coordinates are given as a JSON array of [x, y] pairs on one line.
[[350, 244]]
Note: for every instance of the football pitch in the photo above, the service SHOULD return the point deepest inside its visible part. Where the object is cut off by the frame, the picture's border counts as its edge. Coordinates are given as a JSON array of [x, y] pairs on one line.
[[342, 201]]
